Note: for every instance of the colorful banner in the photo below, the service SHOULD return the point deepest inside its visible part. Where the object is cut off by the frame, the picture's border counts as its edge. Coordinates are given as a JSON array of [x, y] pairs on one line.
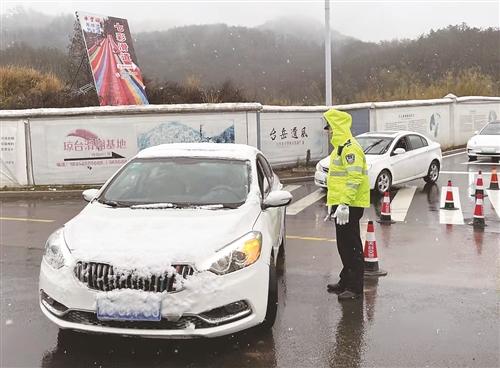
[[117, 76]]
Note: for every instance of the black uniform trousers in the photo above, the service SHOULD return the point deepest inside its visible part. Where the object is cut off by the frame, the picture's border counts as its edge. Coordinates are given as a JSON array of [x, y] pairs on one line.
[[351, 251]]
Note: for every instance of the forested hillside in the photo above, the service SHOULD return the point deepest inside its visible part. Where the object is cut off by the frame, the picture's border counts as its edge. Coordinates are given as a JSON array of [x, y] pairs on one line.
[[273, 64]]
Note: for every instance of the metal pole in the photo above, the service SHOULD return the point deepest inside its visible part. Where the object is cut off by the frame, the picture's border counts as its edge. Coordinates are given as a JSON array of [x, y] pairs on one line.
[[328, 56]]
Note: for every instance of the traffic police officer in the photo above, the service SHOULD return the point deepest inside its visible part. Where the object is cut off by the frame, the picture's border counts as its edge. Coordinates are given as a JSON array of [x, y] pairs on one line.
[[348, 195]]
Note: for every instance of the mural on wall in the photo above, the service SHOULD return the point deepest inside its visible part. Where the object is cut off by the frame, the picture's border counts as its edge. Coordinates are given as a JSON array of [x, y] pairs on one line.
[[176, 132]]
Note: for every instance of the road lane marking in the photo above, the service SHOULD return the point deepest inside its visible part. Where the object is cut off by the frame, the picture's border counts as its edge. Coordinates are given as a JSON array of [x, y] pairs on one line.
[[291, 188], [454, 154], [401, 203], [480, 163], [23, 219], [465, 172], [302, 203], [494, 196], [451, 217], [293, 237]]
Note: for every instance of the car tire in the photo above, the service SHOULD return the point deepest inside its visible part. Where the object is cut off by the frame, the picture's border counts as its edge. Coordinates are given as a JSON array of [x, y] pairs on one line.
[[472, 158], [384, 182], [432, 173], [272, 298]]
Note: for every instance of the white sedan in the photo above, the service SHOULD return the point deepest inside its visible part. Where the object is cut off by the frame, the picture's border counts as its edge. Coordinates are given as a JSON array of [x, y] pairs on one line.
[[486, 142], [182, 241], [393, 158]]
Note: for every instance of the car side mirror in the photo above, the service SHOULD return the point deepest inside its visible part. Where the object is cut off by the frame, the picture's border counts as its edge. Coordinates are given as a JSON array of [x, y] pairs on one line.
[[277, 198], [399, 151], [90, 194]]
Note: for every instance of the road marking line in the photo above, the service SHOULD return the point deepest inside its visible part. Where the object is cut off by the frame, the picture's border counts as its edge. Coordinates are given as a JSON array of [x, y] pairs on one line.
[[454, 154], [310, 238], [494, 196], [302, 203], [480, 163], [465, 172], [24, 219], [291, 188], [451, 217], [401, 203]]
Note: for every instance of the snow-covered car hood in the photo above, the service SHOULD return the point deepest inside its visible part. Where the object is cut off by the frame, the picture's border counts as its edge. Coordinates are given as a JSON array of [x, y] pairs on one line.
[[126, 237], [485, 140]]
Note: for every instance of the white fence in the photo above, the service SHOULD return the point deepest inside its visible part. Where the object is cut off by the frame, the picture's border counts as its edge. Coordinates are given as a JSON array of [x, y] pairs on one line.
[[86, 145]]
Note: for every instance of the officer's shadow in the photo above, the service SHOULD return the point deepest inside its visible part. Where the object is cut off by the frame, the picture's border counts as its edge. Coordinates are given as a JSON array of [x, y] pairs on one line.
[[349, 342]]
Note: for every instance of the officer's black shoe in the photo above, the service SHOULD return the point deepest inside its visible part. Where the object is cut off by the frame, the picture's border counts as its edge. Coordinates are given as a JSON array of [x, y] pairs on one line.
[[349, 295], [335, 288]]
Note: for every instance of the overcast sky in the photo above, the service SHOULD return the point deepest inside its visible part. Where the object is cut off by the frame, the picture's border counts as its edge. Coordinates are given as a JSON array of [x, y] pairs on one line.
[[369, 20]]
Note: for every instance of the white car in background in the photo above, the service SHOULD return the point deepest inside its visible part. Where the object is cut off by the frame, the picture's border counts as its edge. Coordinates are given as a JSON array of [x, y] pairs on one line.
[[486, 142], [393, 158], [182, 241]]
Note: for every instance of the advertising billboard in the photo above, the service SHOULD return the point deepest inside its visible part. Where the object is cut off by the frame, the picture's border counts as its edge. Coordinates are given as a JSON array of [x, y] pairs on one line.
[[117, 76]]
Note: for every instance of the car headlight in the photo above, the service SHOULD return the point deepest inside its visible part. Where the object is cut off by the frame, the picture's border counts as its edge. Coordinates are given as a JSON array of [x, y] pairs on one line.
[[54, 249], [239, 254]]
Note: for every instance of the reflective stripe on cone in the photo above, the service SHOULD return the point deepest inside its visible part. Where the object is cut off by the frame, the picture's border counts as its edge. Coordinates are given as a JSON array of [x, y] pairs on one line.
[[370, 254]]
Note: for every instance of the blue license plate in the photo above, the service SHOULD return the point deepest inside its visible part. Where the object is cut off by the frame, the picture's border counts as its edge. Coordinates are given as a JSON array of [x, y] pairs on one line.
[[117, 312]]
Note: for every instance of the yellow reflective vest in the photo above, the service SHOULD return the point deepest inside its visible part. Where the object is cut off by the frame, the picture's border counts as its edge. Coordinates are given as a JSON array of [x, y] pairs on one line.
[[347, 180]]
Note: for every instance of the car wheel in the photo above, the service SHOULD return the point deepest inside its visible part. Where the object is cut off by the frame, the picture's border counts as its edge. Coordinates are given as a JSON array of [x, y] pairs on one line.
[[272, 298], [432, 173], [472, 158], [383, 182]]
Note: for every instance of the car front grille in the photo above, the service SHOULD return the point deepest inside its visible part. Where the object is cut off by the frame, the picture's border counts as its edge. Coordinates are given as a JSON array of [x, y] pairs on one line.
[[90, 318], [103, 277]]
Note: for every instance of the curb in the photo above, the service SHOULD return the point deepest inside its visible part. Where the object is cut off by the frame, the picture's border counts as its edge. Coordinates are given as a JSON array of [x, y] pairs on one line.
[[453, 151], [296, 179], [41, 194]]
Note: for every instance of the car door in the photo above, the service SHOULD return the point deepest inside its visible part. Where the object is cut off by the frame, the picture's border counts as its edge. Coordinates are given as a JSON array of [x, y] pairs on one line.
[[401, 164], [273, 216], [419, 155]]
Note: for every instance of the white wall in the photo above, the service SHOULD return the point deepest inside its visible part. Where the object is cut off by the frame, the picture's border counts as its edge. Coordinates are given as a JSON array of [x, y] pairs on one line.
[[13, 169], [287, 136], [471, 116], [60, 154], [432, 121], [88, 149]]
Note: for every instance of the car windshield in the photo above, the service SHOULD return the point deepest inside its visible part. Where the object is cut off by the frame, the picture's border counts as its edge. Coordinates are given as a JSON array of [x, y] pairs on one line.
[[491, 129], [374, 145], [179, 182]]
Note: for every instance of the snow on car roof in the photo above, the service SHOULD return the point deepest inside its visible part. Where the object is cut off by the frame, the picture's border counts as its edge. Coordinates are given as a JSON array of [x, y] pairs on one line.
[[220, 150], [387, 133]]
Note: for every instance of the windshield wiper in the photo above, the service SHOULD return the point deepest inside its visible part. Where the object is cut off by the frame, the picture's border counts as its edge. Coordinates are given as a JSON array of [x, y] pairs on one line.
[[152, 206], [111, 203], [372, 145]]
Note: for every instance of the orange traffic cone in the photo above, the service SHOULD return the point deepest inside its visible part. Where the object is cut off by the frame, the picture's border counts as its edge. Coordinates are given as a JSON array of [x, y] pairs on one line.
[[479, 185], [370, 254], [449, 204], [385, 212], [494, 180], [478, 219]]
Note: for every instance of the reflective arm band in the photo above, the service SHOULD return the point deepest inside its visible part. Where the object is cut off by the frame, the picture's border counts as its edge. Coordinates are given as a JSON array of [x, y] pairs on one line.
[[355, 168], [338, 173]]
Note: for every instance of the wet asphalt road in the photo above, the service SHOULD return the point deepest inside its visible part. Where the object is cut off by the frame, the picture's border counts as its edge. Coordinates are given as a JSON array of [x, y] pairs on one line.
[[437, 307]]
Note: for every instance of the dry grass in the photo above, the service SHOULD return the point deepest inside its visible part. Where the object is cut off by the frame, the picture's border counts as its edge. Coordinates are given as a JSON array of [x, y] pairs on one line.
[[22, 87]]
